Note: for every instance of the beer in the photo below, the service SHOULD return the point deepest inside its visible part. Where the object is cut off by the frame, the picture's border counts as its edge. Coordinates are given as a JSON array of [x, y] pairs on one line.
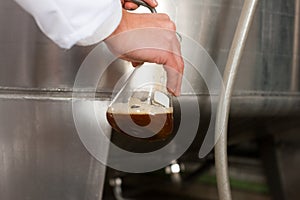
[[148, 123]]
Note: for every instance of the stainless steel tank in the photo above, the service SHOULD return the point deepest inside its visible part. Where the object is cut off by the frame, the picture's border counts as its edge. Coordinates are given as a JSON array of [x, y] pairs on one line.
[[41, 154]]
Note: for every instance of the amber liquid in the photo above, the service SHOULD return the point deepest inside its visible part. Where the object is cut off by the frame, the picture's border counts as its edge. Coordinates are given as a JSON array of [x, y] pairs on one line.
[[142, 126]]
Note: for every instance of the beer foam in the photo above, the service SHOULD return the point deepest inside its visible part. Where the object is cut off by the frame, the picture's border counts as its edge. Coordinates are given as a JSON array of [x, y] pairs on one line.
[[136, 106]]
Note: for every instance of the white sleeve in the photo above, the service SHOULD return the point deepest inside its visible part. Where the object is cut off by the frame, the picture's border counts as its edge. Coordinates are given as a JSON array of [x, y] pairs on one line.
[[68, 22]]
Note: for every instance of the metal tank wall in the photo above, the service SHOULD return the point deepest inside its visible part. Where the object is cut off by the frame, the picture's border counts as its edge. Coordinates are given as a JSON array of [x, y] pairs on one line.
[[41, 154]]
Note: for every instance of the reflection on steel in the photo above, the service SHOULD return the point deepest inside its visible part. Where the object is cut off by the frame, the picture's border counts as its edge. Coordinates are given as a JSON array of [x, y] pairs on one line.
[[296, 57], [116, 183], [41, 154]]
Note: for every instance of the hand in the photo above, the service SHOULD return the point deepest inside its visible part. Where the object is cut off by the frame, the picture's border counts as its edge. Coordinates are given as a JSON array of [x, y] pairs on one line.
[[132, 6], [149, 38]]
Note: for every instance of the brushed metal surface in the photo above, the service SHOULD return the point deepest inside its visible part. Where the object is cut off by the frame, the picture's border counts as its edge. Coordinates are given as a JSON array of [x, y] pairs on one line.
[[41, 154], [28, 59]]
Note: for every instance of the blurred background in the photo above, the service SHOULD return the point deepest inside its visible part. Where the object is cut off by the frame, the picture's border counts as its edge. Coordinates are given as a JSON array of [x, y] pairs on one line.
[[42, 156]]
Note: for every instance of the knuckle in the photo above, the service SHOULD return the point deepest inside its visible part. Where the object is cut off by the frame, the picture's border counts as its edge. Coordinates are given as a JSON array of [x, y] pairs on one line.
[[172, 26], [166, 22], [164, 16]]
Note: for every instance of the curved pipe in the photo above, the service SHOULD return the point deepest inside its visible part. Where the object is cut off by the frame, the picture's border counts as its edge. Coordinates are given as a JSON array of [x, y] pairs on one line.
[[229, 76]]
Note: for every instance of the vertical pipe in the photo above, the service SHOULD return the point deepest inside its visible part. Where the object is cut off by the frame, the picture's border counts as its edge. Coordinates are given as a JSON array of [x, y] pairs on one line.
[[231, 69], [295, 65]]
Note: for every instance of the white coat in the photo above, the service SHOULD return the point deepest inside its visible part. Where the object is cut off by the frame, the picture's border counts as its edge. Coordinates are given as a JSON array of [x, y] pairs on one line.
[[70, 22]]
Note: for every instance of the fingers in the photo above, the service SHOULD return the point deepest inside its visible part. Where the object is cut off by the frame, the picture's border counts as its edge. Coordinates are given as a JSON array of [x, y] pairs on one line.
[[162, 48], [149, 38], [174, 68], [174, 65], [128, 5], [152, 3]]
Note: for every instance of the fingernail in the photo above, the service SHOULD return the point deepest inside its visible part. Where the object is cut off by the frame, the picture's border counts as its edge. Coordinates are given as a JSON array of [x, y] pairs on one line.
[[173, 92], [155, 2]]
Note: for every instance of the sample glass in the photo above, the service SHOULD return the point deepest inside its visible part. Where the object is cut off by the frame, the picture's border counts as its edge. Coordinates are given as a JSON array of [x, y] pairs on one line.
[[143, 107]]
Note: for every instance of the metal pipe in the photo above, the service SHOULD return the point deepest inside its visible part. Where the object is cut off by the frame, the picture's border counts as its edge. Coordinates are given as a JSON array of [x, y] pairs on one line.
[[295, 65], [229, 76]]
